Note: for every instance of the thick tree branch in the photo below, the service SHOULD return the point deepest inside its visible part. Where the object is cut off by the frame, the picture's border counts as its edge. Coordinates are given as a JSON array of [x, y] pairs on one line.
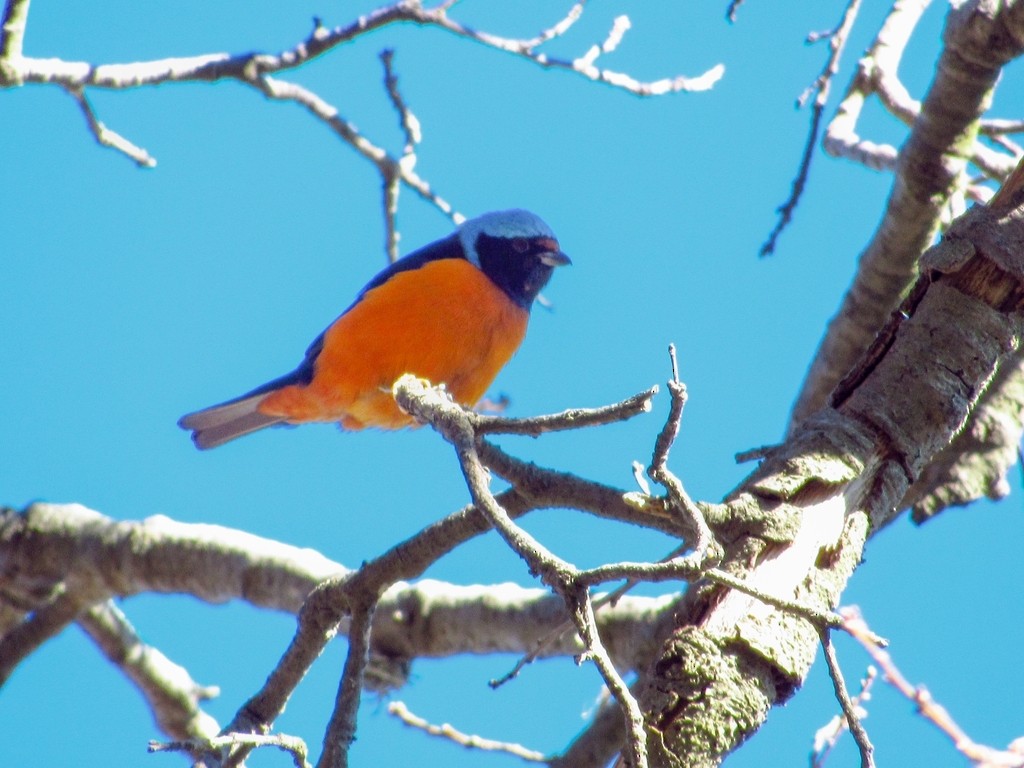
[[842, 475], [47, 547], [977, 46], [976, 463]]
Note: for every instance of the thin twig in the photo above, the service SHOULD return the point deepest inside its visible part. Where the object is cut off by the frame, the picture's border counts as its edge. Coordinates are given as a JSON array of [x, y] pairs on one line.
[[259, 70], [317, 625], [559, 28], [823, 84], [826, 737], [926, 706], [283, 90], [391, 187], [867, 751], [733, 9], [556, 634], [341, 730], [407, 121], [574, 418], [876, 74], [107, 137], [820, 619], [997, 127], [410, 126], [584, 65], [619, 28], [661, 474], [470, 741], [586, 625], [754, 454]]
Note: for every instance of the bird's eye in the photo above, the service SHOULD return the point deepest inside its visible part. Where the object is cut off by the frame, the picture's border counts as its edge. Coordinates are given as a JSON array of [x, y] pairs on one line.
[[520, 245]]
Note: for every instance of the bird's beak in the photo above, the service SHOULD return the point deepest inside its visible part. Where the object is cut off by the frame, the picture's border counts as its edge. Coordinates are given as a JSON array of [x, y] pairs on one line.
[[555, 259]]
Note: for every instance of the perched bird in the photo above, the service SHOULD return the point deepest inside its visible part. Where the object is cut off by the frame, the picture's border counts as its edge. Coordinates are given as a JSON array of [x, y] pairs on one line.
[[453, 312]]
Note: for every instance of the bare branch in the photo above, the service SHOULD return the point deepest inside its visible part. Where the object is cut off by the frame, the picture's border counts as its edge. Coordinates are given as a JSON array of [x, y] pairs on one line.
[[341, 730], [413, 135], [826, 737], [925, 705], [705, 549], [876, 73], [823, 84], [586, 624], [838, 478], [388, 166], [39, 626], [171, 693], [107, 137], [733, 9], [12, 33], [548, 641], [584, 65], [293, 745], [451, 421], [401, 711], [867, 751], [574, 418], [49, 544], [549, 488], [560, 27], [997, 127], [930, 169], [820, 619], [260, 70]]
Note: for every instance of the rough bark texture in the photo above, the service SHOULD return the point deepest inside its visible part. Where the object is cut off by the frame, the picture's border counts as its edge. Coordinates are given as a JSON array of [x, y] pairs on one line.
[[980, 39], [841, 476]]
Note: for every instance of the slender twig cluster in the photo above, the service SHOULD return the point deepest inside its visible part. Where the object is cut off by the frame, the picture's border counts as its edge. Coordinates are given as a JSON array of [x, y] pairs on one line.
[[924, 704], [264, 73], [877, 75], [822, 85]]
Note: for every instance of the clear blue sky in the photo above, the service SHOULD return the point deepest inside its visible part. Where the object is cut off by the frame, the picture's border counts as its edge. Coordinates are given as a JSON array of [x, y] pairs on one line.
[[132, 296]]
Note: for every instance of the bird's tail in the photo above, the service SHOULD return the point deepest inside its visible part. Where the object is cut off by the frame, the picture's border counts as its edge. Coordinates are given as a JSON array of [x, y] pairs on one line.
[[218, 424]]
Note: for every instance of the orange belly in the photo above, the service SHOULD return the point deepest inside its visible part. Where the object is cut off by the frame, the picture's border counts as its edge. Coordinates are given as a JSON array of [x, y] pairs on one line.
[[445, 321]]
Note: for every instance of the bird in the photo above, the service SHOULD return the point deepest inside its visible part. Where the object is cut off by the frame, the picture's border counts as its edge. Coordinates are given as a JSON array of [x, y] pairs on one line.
[[453, 312]]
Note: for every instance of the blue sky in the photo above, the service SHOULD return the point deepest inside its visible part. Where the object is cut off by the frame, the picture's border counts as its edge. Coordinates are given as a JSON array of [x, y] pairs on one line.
[[133, 296]]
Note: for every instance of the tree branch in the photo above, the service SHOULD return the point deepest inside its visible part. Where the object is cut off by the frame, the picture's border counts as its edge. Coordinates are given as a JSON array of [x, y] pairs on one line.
[[841, 475], [867, 759], [926, 706], [341, 730], [823, 84], [171, 693], [929, 167], [401, 711], [12, 34]]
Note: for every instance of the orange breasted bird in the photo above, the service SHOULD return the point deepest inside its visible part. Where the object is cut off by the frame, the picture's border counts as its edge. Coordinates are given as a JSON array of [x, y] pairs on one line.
[[453, 312]]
